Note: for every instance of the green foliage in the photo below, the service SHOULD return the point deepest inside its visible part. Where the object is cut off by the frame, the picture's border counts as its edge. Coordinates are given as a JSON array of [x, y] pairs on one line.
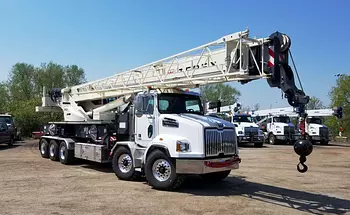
[[315, 103], [340, 96], [212, 92], [23, 91]]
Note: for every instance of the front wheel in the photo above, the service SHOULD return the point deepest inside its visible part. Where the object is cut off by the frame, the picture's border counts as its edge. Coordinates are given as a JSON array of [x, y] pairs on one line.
[[11, 141], [216, 176], [258, 145], [161, 173], [272, 139], [123, 165], [324, 142]]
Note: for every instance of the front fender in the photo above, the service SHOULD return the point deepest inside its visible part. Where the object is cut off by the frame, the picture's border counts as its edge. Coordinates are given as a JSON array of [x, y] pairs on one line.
[[168, 143]]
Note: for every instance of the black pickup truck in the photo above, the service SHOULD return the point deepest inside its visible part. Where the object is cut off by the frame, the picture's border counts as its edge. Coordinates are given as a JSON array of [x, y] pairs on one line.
[[6, 135]]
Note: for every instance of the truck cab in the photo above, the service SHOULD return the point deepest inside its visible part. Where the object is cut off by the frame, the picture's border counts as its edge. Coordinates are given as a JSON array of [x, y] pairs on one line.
[[316, 131], [246, 129], [279, 128]]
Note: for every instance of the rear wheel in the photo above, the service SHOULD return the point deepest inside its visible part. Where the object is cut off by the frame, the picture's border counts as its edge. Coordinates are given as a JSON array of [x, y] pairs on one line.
[[53, 150], [161, 173], [123, 165], [66, 156], [216, 176], [44, 148]]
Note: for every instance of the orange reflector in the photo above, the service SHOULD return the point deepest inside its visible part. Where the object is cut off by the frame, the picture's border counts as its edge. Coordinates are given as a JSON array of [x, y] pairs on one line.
[[160, 139], [178, 148]]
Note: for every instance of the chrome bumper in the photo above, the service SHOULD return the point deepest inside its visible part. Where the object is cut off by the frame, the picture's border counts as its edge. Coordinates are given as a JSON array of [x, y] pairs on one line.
[[190, 166]]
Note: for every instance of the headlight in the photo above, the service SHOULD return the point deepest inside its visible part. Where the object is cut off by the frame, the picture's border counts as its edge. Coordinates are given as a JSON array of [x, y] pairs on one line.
[[312, 127], [240, 132], [182, 146], [278, 127]]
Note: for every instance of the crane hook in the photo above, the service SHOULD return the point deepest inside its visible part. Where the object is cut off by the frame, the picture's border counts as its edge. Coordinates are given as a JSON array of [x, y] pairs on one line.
[[302, 160], [302, 170]]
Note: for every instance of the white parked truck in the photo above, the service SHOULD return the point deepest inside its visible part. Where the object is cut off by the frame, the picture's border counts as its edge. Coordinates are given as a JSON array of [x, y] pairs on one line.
[[315, 130], [246, 129], [144, 123], [279, 129]]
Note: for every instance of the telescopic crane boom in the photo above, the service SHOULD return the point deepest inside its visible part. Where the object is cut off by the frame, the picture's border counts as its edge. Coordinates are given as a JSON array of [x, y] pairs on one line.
[[142, 118]]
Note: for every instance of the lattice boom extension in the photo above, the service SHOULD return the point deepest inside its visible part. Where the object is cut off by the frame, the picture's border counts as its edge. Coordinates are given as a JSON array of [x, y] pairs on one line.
[[230, 58]]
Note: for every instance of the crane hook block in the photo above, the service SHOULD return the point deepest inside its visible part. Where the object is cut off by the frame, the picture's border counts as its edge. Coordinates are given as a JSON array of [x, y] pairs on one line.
[[303, 148]]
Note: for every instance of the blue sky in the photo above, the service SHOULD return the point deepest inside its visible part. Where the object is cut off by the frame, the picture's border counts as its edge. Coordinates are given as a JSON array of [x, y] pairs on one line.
[[110, 36]]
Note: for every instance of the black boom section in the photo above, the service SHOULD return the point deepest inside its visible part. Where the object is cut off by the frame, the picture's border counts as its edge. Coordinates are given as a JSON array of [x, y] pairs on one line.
[[281, 73]]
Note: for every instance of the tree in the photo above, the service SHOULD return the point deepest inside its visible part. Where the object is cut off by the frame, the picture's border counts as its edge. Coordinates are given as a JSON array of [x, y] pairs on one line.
[[315, 103], [227, 94], [22, 91], [340, 96]]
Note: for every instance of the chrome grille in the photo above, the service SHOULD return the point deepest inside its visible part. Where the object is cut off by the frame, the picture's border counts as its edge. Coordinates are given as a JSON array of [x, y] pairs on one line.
[[324, 132], [220, 141], [289, 130], [248, 131]]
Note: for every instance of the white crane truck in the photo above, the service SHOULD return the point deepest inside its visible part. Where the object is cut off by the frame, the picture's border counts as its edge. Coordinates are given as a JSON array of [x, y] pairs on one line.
[[247, 130], [139, 120]]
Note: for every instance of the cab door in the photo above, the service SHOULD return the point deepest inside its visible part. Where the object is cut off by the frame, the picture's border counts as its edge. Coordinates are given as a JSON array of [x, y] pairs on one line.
[[144, 119]]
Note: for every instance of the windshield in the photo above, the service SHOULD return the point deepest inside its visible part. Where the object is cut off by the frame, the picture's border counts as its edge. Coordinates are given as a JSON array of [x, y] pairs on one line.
[[6, 119], [241, 119], [169, 103], [283, 119], [315, 121]]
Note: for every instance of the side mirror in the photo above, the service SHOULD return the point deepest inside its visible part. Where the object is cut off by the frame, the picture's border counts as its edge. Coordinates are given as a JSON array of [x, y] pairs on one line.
[[138, 113], [236, 125]]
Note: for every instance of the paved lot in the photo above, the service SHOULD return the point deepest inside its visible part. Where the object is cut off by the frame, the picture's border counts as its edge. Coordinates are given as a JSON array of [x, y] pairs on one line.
[[266, 183]]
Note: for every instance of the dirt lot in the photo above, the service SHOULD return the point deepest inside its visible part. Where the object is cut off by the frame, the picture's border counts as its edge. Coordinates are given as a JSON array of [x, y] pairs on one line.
[[266, 183]]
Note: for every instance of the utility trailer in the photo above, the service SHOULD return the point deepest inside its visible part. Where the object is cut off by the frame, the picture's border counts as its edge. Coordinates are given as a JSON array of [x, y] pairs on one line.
[[144, 123]]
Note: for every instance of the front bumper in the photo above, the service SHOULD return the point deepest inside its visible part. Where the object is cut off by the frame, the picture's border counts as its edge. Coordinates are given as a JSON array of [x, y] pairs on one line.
[[250, 139], [319, 138], [196, 166], [288, 137]]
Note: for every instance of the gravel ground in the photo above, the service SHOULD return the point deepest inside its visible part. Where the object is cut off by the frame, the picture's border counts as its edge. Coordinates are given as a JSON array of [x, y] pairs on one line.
[[266, 183]]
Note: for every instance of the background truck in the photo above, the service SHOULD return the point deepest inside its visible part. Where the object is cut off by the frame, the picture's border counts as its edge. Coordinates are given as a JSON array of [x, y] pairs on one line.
[[11, 126], [246, 129], [144, 123], [279, 129], [315, 130]]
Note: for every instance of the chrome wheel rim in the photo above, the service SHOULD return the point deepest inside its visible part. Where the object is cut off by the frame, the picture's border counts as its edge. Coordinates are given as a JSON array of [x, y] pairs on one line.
[[125, 163], [52, 150], [161, 170], [62, 153], [42, 148]]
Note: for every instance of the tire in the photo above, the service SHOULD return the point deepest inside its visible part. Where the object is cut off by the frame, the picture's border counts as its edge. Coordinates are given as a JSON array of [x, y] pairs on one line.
[[65, 155], [11, 142], [44, 148], [123, 165], [53, 150], [258, 145], [164, 176], [215, 176], [324, 142], [272, 139]]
